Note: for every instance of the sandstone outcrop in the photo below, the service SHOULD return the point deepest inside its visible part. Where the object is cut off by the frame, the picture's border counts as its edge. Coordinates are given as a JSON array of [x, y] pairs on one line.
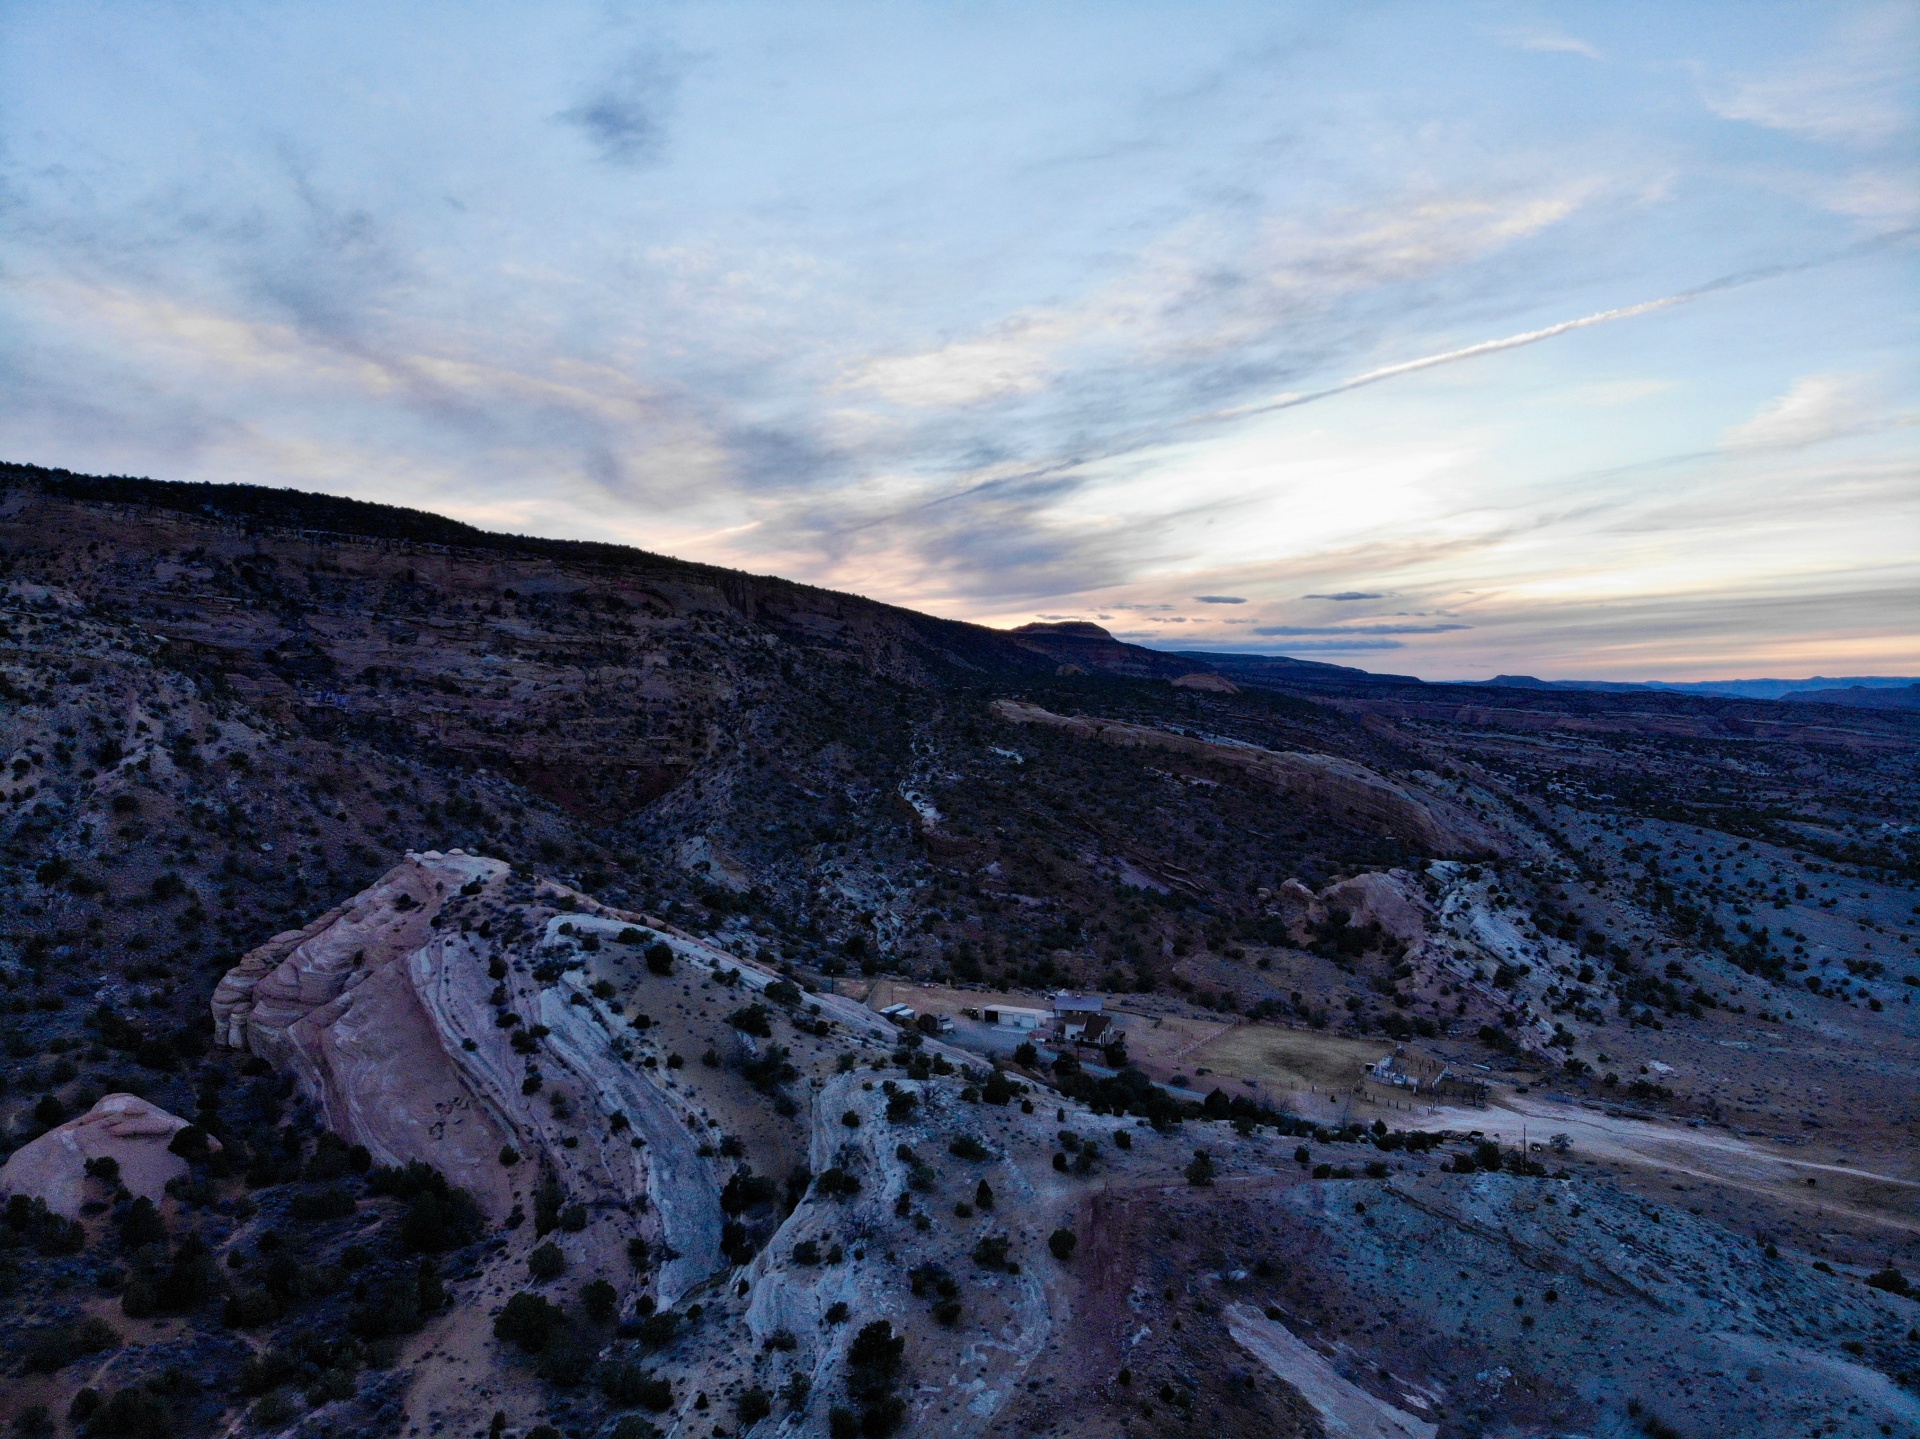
[[401, 1026], [125, 1128], [1424, 822]]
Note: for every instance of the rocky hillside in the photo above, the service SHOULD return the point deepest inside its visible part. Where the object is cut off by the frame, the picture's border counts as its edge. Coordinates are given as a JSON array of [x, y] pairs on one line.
[[467, 951]]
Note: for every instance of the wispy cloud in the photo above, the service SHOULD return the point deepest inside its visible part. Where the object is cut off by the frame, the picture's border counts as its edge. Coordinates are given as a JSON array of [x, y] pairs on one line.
[[1856, 89], [1551, 42], [625, 114], [1358, 629], [1815, 409], [919, 308]]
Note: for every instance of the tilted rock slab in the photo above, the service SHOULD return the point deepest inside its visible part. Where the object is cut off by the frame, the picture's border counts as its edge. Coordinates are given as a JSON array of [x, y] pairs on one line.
[[122, 1127], [1426, 823], [386, 1021]]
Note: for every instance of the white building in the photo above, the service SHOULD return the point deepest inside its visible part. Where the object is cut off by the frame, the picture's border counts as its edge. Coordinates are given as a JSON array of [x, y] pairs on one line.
[[1010, 1017]]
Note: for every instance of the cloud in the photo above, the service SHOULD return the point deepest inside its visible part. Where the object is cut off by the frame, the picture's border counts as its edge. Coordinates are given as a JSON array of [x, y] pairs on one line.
[[1330, 647], [626, 115], [1857, 89], [1219, 599], [1204, 295], [1533, 337], [1551, 42], [1348, 595], [1814, 409], [1358, 629]]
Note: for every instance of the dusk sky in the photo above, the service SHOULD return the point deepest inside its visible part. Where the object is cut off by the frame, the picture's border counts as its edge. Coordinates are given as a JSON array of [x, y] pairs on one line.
[[1447, 340]]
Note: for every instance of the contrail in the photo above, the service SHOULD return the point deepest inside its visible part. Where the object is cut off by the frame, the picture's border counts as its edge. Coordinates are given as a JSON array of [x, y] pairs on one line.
[[1532, 337], [1485, 347]]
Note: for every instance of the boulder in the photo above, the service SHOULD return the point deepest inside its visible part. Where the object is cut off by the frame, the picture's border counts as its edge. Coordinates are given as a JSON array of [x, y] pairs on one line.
[[122, 1127]]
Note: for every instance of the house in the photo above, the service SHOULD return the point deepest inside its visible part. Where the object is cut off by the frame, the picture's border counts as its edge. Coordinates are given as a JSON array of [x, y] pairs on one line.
[[1089, 1029], [1079, 1017]]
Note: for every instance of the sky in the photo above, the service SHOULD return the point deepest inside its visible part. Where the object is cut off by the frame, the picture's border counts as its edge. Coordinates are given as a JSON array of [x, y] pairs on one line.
[[1448, 340]]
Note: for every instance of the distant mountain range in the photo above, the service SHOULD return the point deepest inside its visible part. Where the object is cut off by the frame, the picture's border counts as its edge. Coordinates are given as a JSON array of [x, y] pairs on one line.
[[1862, 691], [1872, 691]]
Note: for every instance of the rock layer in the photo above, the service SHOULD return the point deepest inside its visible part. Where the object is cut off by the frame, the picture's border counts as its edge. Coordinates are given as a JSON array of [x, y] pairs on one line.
[[1426, 823]]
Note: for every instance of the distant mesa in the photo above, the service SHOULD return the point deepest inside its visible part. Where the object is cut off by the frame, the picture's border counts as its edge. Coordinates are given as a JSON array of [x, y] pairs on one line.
[[1095, 651], [1084, 629]]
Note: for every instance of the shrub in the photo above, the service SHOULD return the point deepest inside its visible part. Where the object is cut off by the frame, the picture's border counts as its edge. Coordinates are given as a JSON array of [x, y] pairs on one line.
[[797, 1390], [435, 1222], [601, 1301], [659, 958], [1199, 1170], [991, 1252], [659, 1329], [752, 1019], [407, 1182], [527, 1322], [836, 1183], [400, 1304], [546, 1262], [1891, 1280], [629, 1386], [901, 1105], [332, 1202], [634, 1427], [141, 1224], [983, 1196], [753, 1406], [566, 1358], [1063, 1242], [132, 1414], [57, 1345], [967, 1147], [873, 1359], [747, 1190]]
